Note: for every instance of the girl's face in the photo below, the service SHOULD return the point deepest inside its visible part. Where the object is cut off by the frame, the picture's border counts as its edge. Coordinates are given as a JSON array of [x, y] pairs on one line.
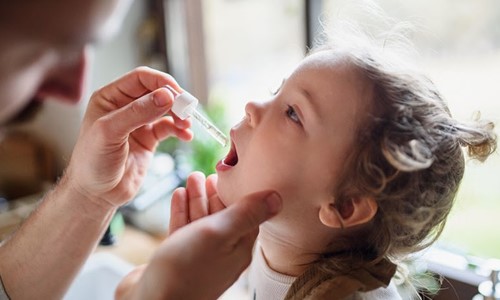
[[296, 143]]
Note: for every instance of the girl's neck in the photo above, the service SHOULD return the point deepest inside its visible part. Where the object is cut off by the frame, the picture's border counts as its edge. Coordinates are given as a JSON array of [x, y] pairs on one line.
[[286, 256]]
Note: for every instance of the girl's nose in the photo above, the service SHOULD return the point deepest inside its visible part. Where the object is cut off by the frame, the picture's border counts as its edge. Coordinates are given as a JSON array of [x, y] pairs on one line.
[[253, 112], [66, 81]]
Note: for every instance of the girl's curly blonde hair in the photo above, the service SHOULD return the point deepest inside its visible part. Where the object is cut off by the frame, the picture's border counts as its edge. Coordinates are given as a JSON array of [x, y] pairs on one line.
[[408, 154]]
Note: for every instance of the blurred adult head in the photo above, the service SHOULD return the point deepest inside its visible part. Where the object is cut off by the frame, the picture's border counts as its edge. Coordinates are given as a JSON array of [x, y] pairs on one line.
[[44, 49]]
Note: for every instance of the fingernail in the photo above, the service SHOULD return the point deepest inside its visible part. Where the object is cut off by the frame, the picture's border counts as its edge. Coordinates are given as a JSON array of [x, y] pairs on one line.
[[273, 202], [160, 100]]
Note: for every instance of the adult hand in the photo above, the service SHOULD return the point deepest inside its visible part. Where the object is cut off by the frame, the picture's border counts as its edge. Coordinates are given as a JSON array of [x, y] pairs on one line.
[[203, 256], [120, 131], [122, 126]]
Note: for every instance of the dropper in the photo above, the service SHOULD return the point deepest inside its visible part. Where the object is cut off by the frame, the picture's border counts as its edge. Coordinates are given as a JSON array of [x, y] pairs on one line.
[[185, 106]]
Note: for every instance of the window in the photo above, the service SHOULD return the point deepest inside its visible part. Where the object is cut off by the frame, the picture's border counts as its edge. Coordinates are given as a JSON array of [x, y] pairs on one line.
[[250, 46], [229, 52]]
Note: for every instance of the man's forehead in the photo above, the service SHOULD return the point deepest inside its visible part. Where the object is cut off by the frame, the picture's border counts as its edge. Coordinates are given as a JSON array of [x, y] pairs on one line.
[[70, 22]]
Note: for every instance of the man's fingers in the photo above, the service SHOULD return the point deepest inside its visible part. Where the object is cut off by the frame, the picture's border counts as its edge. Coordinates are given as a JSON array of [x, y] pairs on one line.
[[246, 215], [134, 84], [166, 127], [148, 108], [248, 240]]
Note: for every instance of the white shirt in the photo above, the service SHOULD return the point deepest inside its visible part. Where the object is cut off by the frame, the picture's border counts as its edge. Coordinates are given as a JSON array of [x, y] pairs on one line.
[[267, 284], [264, 282]]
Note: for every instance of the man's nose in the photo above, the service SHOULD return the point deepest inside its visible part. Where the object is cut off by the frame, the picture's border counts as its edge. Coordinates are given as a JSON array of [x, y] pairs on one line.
[[66, 81]]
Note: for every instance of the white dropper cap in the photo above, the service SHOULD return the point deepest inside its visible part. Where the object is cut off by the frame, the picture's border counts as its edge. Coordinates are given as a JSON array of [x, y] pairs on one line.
[[184, 106]]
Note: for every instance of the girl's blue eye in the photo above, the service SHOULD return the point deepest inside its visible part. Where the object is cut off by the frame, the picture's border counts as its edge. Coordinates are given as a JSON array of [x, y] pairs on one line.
[[292, 114]]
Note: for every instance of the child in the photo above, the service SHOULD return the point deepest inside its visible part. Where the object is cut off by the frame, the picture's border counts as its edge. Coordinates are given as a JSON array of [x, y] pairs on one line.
[[367, 160]]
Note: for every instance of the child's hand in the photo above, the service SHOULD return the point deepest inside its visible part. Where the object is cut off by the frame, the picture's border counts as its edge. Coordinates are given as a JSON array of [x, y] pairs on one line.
[[199, 199]]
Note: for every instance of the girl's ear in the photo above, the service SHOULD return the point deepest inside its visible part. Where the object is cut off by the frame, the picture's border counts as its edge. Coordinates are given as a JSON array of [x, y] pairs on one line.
[[356, 211]]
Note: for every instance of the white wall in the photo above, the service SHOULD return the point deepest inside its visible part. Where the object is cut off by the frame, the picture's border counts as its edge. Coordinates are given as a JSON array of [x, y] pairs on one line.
[[121, 54]]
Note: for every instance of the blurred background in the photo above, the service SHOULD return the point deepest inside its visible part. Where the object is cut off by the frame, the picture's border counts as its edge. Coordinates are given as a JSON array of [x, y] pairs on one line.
[[229, 52]]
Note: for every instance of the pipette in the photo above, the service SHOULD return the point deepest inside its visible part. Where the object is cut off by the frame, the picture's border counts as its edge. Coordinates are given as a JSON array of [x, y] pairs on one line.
[[185, 106]]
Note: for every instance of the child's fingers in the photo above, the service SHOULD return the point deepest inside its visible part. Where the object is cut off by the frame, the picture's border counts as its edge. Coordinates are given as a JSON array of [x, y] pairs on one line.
[[214, 203], [179, 214], [197, 196]]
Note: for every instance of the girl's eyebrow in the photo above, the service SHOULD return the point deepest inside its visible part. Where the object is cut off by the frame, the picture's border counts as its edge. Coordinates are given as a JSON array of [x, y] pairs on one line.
[[310, 103], [279, 87]]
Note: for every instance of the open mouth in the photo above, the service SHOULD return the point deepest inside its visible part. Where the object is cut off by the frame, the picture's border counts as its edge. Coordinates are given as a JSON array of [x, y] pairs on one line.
[[232, 157]]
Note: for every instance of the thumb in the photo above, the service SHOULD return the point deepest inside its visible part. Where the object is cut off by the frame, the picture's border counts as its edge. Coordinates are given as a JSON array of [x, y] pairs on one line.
[[246, 215], [139, 112]]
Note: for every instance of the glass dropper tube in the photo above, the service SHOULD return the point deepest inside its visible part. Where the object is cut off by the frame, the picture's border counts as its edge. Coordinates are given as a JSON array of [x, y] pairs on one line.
[[185, 106], [210, 128]]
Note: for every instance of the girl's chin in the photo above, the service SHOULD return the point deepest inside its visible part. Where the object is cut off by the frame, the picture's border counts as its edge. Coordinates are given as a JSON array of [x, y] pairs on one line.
[[225, 197], [228, 199]]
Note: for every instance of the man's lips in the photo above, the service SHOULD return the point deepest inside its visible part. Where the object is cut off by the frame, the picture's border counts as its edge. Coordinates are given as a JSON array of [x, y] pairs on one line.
[[27, 113]]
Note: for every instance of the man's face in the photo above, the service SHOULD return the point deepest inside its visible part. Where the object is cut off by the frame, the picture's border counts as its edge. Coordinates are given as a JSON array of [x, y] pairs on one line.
[[44, 49]]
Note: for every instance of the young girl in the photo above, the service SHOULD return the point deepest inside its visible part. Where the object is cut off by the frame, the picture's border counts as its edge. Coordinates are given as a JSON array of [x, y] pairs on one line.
[[367, 160]]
